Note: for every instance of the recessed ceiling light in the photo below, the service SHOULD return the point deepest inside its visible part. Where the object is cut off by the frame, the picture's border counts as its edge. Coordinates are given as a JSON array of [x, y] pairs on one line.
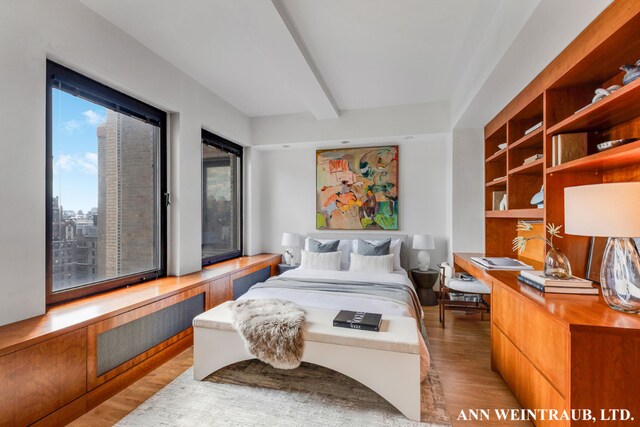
[[345, 142]]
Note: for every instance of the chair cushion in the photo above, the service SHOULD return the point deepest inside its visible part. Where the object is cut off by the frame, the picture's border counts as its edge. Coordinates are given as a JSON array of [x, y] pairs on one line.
[[469, 286]]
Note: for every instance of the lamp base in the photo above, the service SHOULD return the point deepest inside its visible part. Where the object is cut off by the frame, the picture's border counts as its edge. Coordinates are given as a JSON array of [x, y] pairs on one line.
[[288, 257], [620, 275], [424, 259]]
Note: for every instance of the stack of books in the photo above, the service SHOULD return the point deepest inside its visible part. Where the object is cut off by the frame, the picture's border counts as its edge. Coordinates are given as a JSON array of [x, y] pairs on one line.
[[575, 285]]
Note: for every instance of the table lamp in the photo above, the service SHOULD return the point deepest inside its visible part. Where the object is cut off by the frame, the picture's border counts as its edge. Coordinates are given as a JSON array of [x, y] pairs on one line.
[[610, 210], [290, 241], [423, 242]]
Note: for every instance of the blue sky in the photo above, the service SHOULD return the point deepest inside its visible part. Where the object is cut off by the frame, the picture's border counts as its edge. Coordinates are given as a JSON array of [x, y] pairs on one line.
[[75, 150]]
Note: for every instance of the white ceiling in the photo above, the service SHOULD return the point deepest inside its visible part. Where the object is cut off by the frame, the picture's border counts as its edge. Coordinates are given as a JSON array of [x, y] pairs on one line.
[[318, 56]]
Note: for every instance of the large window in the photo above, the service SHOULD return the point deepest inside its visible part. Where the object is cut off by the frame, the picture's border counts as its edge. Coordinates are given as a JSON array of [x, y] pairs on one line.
[[106, 186], [221, 199]]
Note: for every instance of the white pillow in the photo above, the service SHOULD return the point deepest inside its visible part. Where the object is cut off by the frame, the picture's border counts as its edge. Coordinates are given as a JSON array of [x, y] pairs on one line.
[[320, 260], [371, 263], [394, 248], [344, 246]]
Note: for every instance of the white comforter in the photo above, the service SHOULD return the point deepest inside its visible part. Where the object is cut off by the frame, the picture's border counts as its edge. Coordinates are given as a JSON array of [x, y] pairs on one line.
[[335, 301]]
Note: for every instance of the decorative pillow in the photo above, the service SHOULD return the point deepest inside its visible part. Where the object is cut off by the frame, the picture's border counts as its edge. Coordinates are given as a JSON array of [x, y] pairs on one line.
[[344, 247], [314, 245], [371, 263], [373, 248], [394, 248], [320, 260]]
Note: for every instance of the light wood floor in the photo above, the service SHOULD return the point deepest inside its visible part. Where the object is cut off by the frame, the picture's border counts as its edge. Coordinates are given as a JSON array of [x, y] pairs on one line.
[[461, 353]]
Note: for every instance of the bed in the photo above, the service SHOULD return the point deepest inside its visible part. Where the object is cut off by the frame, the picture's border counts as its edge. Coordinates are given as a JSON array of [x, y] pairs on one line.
[[392, 369], [325, 289]]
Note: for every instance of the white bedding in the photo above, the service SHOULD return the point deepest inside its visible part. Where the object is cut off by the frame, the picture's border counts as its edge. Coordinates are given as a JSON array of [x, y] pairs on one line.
[[335, 301]]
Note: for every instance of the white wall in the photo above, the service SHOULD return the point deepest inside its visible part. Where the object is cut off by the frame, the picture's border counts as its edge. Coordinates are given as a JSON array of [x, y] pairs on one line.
[[467, 190], [69, 33], [288, 192]]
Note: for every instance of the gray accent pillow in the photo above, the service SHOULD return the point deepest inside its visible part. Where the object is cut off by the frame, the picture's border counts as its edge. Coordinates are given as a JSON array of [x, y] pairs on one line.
[[374, 249], [317, 246]]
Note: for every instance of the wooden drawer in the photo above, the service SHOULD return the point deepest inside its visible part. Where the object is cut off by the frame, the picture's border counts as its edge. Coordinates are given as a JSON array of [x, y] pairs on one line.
[[540, 337], [530, 387], [506, 312], [219, 291], [546, 343], [36, 381]]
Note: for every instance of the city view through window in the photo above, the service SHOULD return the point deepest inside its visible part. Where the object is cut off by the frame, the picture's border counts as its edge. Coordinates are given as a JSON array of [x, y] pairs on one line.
[[220, 203], [104, 217]]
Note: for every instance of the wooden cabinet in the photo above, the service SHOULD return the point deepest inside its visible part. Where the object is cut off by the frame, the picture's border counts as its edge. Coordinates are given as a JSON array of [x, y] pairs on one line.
[[39, 379], [49, 364], [219, 291], [559, 351]]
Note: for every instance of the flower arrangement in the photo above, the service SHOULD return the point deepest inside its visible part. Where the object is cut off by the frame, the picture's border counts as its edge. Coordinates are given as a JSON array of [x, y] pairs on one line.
[[520, 243], [556, 264]]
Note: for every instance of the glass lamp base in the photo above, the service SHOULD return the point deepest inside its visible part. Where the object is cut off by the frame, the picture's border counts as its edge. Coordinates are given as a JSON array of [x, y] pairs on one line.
[[620, 275]]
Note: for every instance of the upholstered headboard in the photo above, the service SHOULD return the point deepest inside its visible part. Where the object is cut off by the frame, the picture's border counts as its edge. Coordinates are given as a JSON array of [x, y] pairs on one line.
[[404, 252]]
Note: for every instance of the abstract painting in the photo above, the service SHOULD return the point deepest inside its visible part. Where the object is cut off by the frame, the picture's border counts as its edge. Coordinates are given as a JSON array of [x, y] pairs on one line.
[[357, 188]]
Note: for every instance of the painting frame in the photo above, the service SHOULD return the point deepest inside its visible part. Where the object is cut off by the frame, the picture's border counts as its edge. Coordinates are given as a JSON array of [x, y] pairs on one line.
[[357, 188]]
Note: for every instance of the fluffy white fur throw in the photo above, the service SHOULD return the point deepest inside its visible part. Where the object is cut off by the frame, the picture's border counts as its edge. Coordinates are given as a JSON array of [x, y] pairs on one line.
[[271, 330]]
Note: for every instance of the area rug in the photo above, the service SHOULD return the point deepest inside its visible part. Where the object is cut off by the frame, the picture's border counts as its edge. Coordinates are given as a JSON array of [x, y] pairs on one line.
[[251, 393]]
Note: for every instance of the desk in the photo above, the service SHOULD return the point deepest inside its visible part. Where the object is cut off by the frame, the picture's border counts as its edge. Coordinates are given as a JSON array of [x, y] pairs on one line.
[[559, 351]]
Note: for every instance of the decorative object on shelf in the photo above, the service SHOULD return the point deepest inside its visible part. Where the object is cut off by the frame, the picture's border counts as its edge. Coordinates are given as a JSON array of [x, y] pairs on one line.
[[503, 203], [423, 243], [600, 94], [632, 72], [556, 264], [532, 128], [568, 146], [610, 210], [538, 198], [603, 146], [357, 188], [499, 178], [532, 159], [502, 146], [290, 241], [497, 197]]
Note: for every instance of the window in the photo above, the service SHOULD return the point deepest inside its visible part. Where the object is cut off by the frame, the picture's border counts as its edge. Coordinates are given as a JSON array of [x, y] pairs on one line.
[[221, 199], [106, 184]]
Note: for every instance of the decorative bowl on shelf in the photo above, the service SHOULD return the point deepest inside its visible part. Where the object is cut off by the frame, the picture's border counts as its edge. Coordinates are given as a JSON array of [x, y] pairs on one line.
[[603, 146], [633, 72]]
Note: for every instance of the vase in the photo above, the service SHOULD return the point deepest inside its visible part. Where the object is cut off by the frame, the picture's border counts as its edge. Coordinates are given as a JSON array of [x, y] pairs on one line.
[[620, 275], [556, 264]]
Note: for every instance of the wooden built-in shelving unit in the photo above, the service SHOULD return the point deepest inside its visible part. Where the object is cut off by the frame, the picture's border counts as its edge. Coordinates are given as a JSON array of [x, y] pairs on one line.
[[557, 97]]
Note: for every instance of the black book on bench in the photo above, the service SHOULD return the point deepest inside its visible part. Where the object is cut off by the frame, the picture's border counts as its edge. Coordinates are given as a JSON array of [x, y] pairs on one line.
[[358, 320]]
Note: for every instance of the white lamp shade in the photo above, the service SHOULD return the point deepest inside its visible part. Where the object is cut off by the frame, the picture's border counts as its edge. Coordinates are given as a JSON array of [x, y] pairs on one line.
[[603, 210], [423, 242], [290, 239]]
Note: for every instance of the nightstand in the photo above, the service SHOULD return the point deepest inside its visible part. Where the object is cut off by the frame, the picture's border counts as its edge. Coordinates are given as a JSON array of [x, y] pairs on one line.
[[424, 281], [286, 267]]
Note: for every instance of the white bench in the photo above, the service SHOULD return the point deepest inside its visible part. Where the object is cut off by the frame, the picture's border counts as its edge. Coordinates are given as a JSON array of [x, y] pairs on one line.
[[388, 362]]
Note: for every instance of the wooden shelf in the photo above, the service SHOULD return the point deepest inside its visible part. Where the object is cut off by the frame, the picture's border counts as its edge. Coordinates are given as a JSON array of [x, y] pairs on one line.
[[496, 155], [532, 213], [533, 168], [619, 107], [530, 140], [498, 182], [626, 155]]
